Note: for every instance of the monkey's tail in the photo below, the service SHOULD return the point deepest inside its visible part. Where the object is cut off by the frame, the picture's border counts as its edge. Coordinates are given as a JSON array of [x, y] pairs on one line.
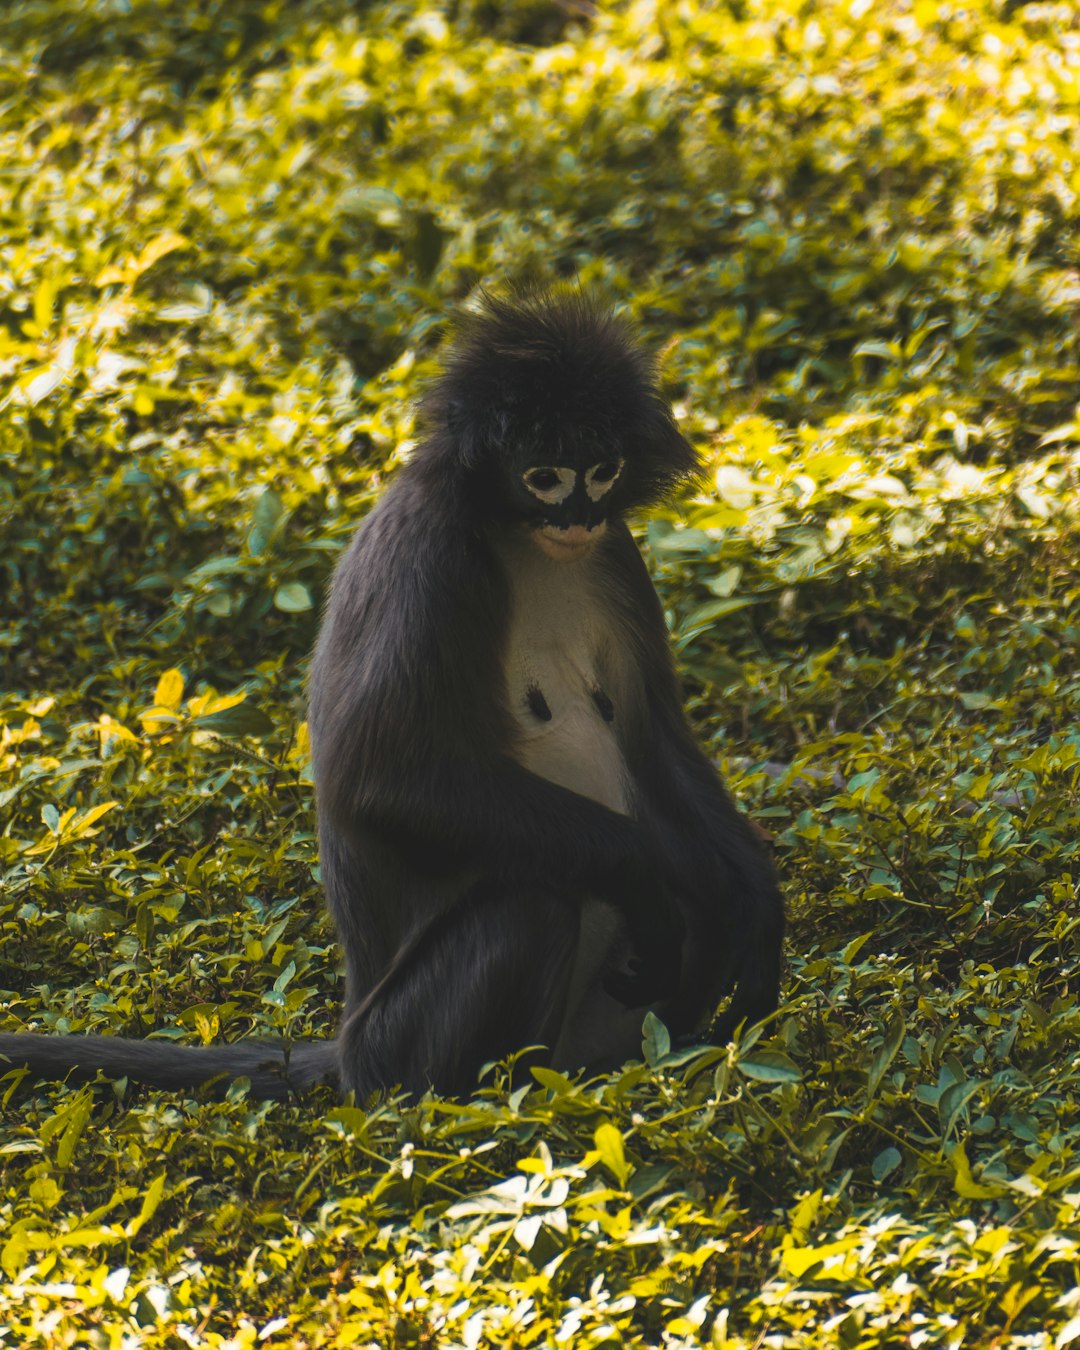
[[276, 1072]]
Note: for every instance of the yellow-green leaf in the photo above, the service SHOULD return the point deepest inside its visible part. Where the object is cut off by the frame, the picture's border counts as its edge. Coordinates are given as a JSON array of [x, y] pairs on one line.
[[609, 1145], [170, 689]]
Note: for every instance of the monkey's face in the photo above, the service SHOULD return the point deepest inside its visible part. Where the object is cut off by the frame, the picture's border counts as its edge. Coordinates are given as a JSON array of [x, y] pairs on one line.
[[566, 506]]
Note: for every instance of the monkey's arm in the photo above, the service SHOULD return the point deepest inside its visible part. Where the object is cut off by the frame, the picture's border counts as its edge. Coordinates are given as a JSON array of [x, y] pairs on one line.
[[711, 851]]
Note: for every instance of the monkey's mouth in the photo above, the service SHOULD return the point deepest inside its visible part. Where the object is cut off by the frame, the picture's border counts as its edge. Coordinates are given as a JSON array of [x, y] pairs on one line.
[[572, 542]]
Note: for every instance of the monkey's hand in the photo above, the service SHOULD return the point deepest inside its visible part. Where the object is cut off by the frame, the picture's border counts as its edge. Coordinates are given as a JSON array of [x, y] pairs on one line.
[[656, 931]]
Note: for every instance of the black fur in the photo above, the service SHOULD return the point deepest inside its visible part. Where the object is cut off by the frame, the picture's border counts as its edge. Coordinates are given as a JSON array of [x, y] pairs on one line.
[[553, 374], [480, 906], [274, 1073]]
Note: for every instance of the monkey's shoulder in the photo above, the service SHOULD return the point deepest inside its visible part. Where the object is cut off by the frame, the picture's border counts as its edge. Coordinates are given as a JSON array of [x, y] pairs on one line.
[[413, 621], [409, 550]]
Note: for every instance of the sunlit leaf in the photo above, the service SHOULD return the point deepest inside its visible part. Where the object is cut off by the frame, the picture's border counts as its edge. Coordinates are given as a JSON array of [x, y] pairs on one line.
[[170, 689]]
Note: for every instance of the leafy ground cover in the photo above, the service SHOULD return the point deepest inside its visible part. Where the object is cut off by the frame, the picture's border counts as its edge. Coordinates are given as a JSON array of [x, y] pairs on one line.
[[229, 236]]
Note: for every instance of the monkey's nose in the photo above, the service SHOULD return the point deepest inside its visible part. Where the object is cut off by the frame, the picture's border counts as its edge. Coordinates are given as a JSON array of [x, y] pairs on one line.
[[574, 536]]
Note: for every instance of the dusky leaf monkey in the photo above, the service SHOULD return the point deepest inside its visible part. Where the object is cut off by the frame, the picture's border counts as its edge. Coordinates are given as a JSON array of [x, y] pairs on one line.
[[521, 841]]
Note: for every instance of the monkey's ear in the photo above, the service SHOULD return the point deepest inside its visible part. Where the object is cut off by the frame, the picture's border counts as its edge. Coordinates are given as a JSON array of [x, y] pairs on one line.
[[465, 434]]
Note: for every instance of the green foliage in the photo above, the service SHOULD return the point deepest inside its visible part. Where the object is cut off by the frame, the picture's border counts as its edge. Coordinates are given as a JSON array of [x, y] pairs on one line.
[[229, 235]]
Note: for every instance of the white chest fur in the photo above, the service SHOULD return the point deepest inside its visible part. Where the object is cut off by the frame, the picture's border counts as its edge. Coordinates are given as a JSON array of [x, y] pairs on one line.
[[561, 658]]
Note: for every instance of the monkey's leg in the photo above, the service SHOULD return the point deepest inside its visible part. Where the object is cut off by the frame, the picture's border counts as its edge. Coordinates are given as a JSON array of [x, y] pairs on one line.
[[599, 1031], [489, 976]]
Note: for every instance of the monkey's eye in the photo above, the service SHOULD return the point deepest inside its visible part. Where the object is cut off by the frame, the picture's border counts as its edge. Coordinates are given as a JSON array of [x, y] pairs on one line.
[[542, 480], [600, 477], [551, 485]]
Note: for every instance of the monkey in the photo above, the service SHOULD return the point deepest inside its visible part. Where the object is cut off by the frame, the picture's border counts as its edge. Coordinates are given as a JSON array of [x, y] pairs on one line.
[[522, 844]]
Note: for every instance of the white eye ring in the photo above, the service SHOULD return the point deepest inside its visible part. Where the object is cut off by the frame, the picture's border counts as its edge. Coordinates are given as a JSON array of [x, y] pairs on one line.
[[595, 490], [558, 491]]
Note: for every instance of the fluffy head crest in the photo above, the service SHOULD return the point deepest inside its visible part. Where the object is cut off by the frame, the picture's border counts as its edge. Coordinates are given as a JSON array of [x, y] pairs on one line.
[[554, 374]]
